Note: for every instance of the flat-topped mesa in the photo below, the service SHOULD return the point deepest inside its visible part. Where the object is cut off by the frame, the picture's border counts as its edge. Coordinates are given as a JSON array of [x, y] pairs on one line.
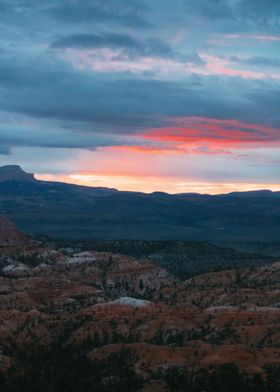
[[15, 173], [10, 235]]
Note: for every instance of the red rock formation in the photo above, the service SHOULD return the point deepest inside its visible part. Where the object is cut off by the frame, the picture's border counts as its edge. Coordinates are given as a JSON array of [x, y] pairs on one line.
[[215, 318], [9, 234]]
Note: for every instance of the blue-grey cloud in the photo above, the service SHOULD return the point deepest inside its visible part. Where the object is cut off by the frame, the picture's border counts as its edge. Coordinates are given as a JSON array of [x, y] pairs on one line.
[[148, 47], [128, 13], [124, 104], [264, 10], [16, 135], [37, 82], [5, 150], [257, 61]]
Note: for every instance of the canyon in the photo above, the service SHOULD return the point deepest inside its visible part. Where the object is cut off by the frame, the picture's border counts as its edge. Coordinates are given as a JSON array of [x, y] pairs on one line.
[[107, 306]]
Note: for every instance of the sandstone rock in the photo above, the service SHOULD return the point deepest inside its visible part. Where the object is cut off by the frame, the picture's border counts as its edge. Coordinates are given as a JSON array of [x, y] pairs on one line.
[[9, 234]]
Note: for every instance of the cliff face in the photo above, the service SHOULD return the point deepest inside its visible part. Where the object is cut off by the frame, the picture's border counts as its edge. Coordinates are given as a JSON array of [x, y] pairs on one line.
[[9, 234], [15, 173]]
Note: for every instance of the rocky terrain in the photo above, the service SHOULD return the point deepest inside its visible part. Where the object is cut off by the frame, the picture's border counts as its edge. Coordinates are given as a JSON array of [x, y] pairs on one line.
[[9, 234], [183, 259], [124, 323]]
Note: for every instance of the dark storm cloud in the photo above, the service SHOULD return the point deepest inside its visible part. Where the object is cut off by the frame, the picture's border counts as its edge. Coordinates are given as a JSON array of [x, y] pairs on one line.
[[133, 46]]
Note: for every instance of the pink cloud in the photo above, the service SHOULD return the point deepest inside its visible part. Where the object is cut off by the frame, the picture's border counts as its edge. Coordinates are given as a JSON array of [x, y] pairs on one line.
[[219, 133], [219, 66], [257, 37], [108, 60], [225, 40]]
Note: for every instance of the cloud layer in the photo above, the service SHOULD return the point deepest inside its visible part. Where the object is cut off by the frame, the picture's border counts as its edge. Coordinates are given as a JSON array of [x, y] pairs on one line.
[[173, 82]]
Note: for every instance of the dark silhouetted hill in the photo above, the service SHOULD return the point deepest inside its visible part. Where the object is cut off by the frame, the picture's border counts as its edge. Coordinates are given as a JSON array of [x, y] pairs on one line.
[[79, 212]]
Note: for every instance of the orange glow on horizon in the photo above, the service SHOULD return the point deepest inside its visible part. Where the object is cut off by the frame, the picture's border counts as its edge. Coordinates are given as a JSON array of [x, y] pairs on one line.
[[189, 154], [152, 184]]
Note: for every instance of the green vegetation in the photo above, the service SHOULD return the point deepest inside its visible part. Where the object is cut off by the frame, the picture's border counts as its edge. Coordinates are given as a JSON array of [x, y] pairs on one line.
[[183, 259], [70, 370]]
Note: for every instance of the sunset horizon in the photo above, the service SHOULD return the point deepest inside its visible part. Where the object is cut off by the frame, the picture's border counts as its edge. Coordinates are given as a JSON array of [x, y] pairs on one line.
[[156, 184], [140, 196], [143, 95]]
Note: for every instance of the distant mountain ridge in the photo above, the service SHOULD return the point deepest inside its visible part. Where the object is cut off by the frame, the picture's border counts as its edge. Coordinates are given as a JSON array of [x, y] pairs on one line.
[[78, 212], [14, 173], [17, 174]]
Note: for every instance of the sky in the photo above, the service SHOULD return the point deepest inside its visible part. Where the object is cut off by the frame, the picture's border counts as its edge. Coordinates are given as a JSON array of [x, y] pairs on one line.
[[146, 95]]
